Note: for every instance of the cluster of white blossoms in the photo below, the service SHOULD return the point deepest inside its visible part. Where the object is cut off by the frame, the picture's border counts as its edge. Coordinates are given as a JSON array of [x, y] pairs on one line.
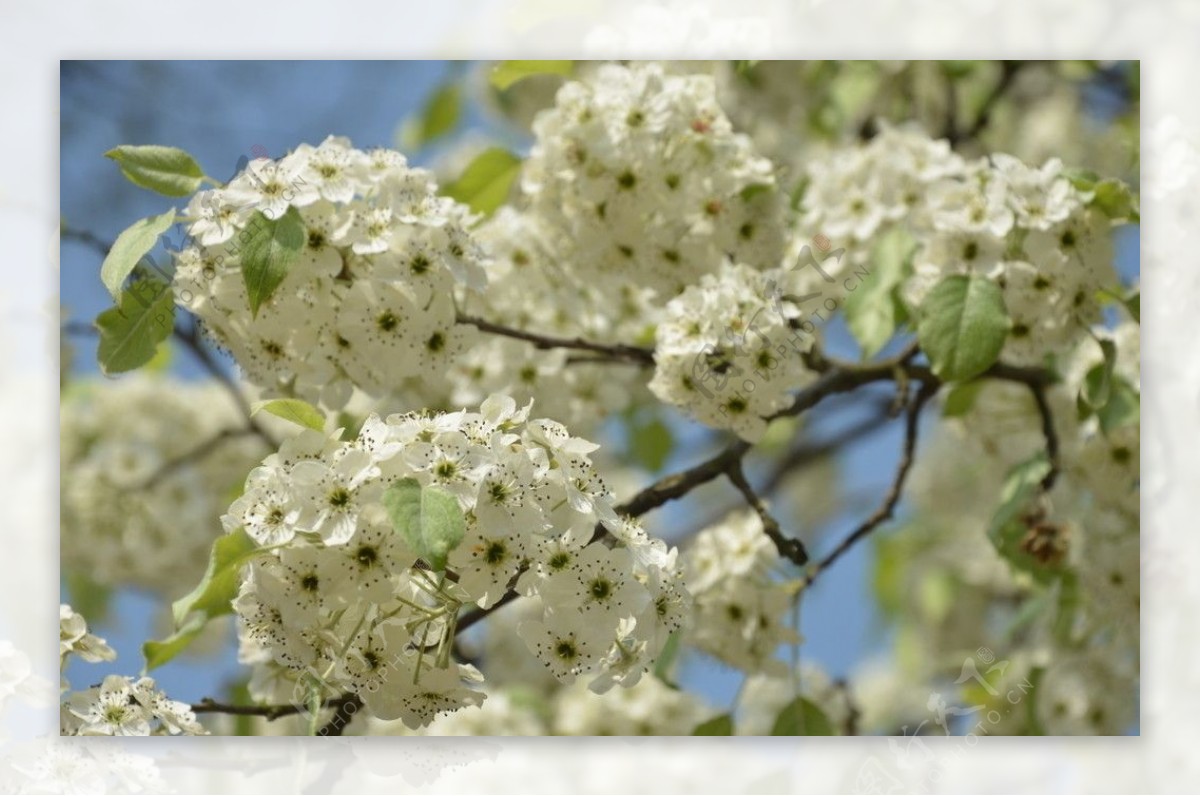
[[368, 300], [138, 508], [1030, 230], [740, 609], [641, 179], [119, 705], [338, 597], [731, 348]]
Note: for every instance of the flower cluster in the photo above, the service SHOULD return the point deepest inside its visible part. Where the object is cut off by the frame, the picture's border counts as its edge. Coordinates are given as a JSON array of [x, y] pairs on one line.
[[340, 600], [730, 348], [740, 608], [642, 180], [74, 639], [119, 705], [125, 706], [138, 508], [368, 300], [1030, 230]]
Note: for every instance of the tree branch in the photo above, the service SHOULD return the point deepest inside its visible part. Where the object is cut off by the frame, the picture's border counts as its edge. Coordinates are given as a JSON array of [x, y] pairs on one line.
[[892, 498], [195, 454], [89, 239], [619, 352], [789, 547], [268, 712], [1008, 73]]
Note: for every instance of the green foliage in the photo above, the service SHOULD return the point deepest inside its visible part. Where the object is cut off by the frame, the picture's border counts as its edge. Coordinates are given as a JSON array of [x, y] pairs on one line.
[[802, 717], [650, 441], [130, 247], [1097, 384], [507, 73], [439, 116], [963, 326], [429, 519], [871, 309], [961, 398], [1010, 528], [269, 248], [484, 184], [131, 331], [1133, 304], [1124, 406], [211, 598], [1116, 200], [299, 412], [165, 169], [666, 659], [718, 725]]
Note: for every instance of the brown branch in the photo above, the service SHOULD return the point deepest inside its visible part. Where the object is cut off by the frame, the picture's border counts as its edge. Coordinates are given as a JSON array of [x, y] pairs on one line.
[[343, 714], [789, 547], [191, 340], [1008, 73], [620, 352], [195, 454], [268, 712], [89, 239], [888, 507]]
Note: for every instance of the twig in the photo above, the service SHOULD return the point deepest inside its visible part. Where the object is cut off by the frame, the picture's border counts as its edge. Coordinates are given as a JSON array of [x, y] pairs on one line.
[[89, 239], [195, 454], [1008, 73], [609, 351], [343, 713], [789, 547], [268, 712], [888, 506], [190, 338], [1051, 436]]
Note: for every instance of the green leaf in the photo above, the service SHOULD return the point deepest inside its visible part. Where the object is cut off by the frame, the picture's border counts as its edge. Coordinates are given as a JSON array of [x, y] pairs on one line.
[[485, 183], [666, 658], [871, 307], [131, 331], [506, 73], [428, 518], [157, 653], [1124, 406], [718, 725], [130, 247], [961, 398], [164, 169], [963, 326], [212, 597], [1019, 486], [299, 412], [650, 443], [802, 717], [439, 116], [1134, 305], [1116, 200], [1097, 383], [269, 249], [1082, 179], [1009, 530]]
